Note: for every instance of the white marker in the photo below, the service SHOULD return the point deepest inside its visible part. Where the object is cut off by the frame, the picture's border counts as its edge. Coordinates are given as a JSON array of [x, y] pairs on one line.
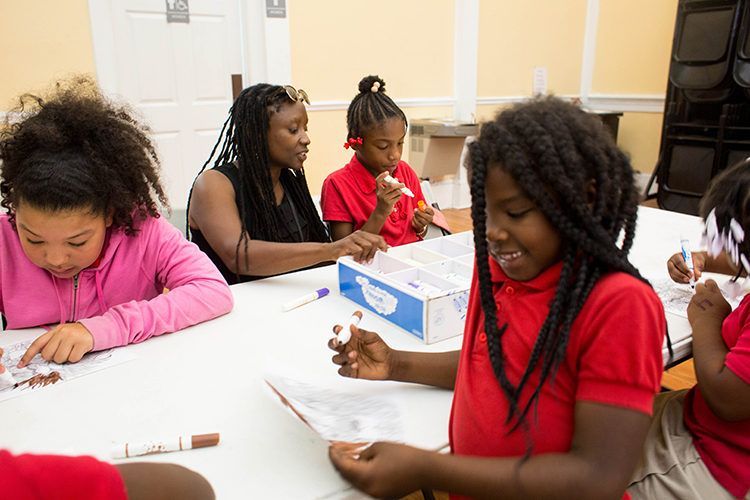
[[405, 190], [127, 450], [7, 378], [304, 300], [346, 333], [687, 257]]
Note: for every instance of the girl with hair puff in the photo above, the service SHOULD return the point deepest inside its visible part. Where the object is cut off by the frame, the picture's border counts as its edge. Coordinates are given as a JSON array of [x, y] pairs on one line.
[[83, 247], [699, 442], [562, 349], [357, 197], [252, 213]]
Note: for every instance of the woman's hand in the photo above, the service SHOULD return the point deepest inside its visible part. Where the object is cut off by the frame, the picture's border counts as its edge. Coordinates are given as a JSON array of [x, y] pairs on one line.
[[708, 306], [679, 271], [387, 194], [65, 342], [384, 470], [360, 245], [420, 219], [364, 356]]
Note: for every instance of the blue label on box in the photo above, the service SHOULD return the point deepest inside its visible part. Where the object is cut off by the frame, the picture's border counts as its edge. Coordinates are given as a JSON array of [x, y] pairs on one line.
[[392, 304]]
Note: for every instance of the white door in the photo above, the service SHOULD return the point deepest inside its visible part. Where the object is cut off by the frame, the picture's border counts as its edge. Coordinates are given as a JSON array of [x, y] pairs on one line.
[[179, 75]]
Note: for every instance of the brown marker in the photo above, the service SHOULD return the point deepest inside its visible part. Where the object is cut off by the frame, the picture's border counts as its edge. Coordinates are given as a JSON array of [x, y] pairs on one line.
[[346, 333], [176, 444]]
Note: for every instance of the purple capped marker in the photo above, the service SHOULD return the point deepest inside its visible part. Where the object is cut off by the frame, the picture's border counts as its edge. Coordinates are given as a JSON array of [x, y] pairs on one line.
[[304, 300]]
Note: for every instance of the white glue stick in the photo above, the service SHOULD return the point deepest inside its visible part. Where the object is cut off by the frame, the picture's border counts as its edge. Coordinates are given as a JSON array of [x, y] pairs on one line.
[[405, 190], [688, 257], [346, 333]]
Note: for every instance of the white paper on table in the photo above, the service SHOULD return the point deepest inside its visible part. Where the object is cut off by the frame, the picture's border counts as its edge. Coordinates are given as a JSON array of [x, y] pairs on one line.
[[40, 373], [336, 415], [675, 296]]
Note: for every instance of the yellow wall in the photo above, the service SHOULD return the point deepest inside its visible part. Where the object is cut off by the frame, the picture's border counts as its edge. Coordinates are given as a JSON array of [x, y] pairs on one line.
[[514, 37], [337, 42], [633, 47], [42, 40]]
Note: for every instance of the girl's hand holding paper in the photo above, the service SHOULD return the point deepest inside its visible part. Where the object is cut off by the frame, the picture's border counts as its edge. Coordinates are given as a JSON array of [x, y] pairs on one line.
[[65, 342]]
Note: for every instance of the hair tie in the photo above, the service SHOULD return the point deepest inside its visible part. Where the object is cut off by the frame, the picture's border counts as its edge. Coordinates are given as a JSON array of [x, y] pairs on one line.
[[352, 142], [375, 87]]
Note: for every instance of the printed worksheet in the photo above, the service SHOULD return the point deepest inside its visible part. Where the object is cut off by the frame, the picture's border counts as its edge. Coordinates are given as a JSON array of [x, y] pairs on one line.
[[350, 421], [676, 296], [40, 373]]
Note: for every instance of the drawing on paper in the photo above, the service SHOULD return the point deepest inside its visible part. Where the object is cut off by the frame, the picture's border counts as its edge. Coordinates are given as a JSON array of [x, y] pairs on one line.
[[676, 297], [349, 421], [40, 373]]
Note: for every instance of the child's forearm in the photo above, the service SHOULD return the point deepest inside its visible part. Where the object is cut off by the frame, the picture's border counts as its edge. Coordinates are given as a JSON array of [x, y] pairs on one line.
[[727, 396], [376, 221], [428, 368]]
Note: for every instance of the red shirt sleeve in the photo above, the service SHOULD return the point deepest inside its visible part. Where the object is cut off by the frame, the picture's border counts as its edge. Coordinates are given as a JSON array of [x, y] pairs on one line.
[[43, 477], [332, 202]]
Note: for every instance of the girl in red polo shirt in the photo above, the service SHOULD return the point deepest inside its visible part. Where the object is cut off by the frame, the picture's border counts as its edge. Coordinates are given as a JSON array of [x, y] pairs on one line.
[[562, 349], [358, 196], [699, 442]]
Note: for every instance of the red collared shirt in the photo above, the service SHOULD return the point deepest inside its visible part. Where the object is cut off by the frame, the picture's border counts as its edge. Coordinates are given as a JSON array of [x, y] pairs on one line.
[[614, 356], [348, 195]]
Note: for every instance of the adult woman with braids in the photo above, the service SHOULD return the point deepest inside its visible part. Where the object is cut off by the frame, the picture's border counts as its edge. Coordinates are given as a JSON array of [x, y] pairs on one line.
[[252, 213], [561, 355]]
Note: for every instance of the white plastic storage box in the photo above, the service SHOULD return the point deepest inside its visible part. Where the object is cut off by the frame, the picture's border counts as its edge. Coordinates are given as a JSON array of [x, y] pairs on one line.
[[422, 288]]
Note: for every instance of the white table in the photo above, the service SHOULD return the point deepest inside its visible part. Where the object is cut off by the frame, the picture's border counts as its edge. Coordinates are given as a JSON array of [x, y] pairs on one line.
[[658, 238], [207, 379]]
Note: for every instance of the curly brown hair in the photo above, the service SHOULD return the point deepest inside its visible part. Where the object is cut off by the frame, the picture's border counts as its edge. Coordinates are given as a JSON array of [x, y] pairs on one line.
[[78, 149]]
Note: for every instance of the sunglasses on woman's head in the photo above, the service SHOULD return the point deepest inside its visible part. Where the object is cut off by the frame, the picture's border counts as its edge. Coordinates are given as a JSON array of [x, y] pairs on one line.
[[294, 94]]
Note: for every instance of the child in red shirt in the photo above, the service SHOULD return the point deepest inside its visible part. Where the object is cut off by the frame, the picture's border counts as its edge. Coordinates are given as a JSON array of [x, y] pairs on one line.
[[699, 442], [358, 196], [562, 349]]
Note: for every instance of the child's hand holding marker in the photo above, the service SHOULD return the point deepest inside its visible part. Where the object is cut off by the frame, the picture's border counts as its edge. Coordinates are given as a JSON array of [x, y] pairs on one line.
[[688, 258], [363, 354], [679, 270], [387, 193], [422, 217]]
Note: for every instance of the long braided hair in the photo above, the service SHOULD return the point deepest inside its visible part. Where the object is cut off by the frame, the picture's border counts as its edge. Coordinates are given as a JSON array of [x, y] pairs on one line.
[[370, 108], [244, 140], [554, 151]]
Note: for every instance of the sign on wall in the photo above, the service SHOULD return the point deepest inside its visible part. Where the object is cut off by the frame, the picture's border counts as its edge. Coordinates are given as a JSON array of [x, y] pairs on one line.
[[275, 8], [178, 11]]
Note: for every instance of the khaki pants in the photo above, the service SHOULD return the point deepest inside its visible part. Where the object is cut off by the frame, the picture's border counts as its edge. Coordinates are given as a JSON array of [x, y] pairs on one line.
[[670, 466]]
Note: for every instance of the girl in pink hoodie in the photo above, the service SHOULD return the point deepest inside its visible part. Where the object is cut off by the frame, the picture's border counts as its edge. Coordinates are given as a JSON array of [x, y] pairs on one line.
[[82, 246]]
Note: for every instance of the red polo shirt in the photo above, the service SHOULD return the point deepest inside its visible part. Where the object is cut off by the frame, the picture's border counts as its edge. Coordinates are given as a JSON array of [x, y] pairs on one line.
[[725, 446], [614, 356], [48, 477], [348, 195]]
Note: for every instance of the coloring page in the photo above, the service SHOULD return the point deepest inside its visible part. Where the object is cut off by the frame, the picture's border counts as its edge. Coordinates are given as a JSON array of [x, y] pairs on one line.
[[350, 421], [40, 373], [676, 297]]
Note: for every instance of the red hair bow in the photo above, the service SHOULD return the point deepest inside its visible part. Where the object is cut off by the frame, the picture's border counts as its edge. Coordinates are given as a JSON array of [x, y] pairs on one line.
[[352, 142]]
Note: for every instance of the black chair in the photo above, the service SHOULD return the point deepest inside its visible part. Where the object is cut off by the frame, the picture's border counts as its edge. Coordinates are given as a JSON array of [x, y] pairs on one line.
[[706, 110]]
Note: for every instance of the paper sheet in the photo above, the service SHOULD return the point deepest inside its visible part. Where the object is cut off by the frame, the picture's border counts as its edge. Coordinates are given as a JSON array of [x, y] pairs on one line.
[[350, 420], [676, 297], [40, 373]]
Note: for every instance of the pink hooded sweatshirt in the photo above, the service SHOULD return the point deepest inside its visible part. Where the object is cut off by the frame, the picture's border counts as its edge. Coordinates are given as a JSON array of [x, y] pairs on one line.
[[120, 300]]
